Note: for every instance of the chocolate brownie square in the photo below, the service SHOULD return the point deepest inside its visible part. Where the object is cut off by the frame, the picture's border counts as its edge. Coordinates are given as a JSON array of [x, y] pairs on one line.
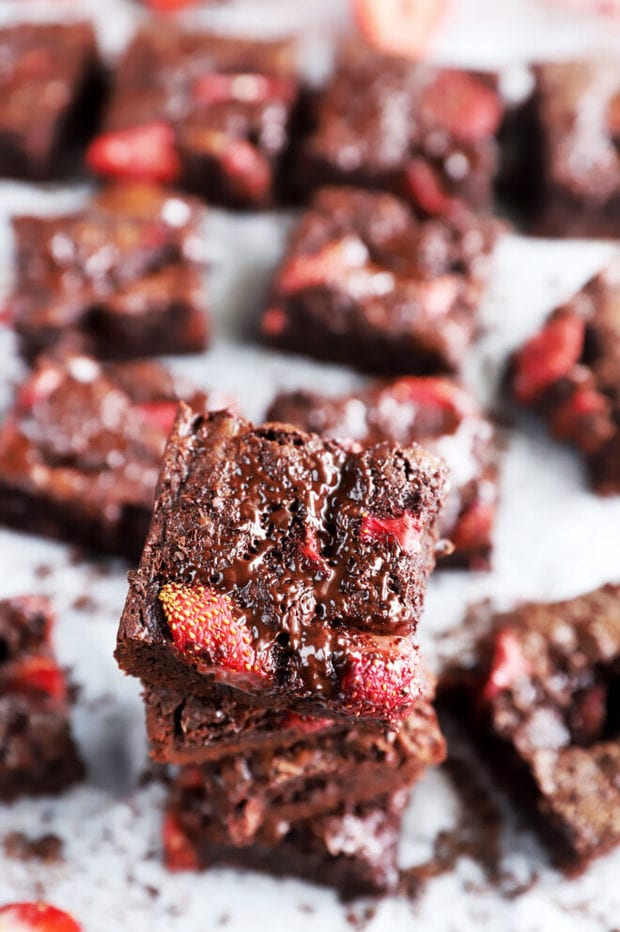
[[353, 848], [37, 753], [51, 83], [541, 692], [436, 412], [81, 447], [118, 279], [209, 113], [569, 372], [424, 133], [365, 282], [572, 160], [286, 568]]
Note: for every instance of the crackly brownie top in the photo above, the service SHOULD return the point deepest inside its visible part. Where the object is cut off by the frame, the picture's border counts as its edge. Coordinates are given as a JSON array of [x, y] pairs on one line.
[[372, 248], [38, 66], [79, 428], [127, 233], [28, 669], [570, 370], [379, 113], [579, 113], [282, 563]]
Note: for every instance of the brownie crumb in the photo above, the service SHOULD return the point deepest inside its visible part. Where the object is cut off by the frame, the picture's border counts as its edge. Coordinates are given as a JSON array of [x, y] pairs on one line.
[[43, 570], [46, 848], [84, 603]]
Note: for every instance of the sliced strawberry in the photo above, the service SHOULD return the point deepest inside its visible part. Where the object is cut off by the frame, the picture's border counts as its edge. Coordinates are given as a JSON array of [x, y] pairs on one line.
[[251, 88], [586, 418], [435, 393], [205, 627], [406, 530], [159, 413], [37, 674], [139, 153], [423, 185], [398, 27], [474, 526], [548, 356], [380, 677], [273, 321], [324, 267], [179, 855], [463, 104], [38, 917], [507, 666]]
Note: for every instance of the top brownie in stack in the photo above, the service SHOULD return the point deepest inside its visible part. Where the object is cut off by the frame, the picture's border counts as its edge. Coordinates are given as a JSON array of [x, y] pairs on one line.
[[286, 568], [570, 373], [50, 92], [210, 113], [117, 279], [365, 282], [424, 133], [436, 412]]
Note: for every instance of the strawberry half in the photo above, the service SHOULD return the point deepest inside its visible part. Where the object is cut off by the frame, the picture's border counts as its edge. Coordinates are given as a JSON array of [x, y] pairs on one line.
[[380, 677], [548, 356], [398, 27], [205, 627], [139, 153], [39, 675], [179, 854], [406, 530], [38, 917], [508, 664], [462, 104]]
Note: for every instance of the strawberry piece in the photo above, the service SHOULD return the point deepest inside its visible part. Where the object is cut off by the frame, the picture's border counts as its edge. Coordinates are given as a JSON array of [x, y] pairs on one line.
[[36, 917], [324, 267], [435, 393], [423, 185], [140, 153], [179, 854], [474, 526], [37, 674], [586, 419], [273, 321], [159, 413], [398, 27], [463, 105], [406, 530], [250, 88], [380, 682], [204, 625], [548, 356], [508, 665]]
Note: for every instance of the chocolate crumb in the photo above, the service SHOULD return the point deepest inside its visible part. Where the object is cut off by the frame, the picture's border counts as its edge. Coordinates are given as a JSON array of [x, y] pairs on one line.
[[84, 603], [45, 848]]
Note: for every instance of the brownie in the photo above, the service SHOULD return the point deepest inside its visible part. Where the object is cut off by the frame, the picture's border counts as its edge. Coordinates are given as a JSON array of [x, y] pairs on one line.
[[569, 372], [51, 84], [37, 752], [212, 114], [435, 412], [365, 282], [353, 848], [572, 162], [119, 279], [421, 132], [81, 447], [285, 568], [541, 691]]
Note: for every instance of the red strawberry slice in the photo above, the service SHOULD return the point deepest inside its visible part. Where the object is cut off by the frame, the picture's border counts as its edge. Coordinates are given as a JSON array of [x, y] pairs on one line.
[[179, 855], [327, 266], [206, 628], [464, 105], [37, 674], [273, 321], [474, 526], [507, 666], [423, 185], [159, 413], [406, 530], [250, 88], [139, 153], [398, 27], [432, 392], [586, 419], [380, 677], [548, 356], [35, 917]]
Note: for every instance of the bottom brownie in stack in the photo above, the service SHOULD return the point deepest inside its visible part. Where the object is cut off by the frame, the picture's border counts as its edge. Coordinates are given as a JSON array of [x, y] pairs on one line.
[[279, 792]]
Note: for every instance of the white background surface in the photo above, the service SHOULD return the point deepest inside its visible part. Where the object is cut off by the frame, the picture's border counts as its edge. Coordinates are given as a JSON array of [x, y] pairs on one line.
[[553, 539]]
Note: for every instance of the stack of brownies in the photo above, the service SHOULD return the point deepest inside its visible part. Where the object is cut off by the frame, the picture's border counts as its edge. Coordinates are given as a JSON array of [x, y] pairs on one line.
[[273, 623]]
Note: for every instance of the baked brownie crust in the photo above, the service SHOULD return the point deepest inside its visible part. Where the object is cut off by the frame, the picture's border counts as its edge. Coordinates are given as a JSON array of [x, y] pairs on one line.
[[366, 283], [288, 566]]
